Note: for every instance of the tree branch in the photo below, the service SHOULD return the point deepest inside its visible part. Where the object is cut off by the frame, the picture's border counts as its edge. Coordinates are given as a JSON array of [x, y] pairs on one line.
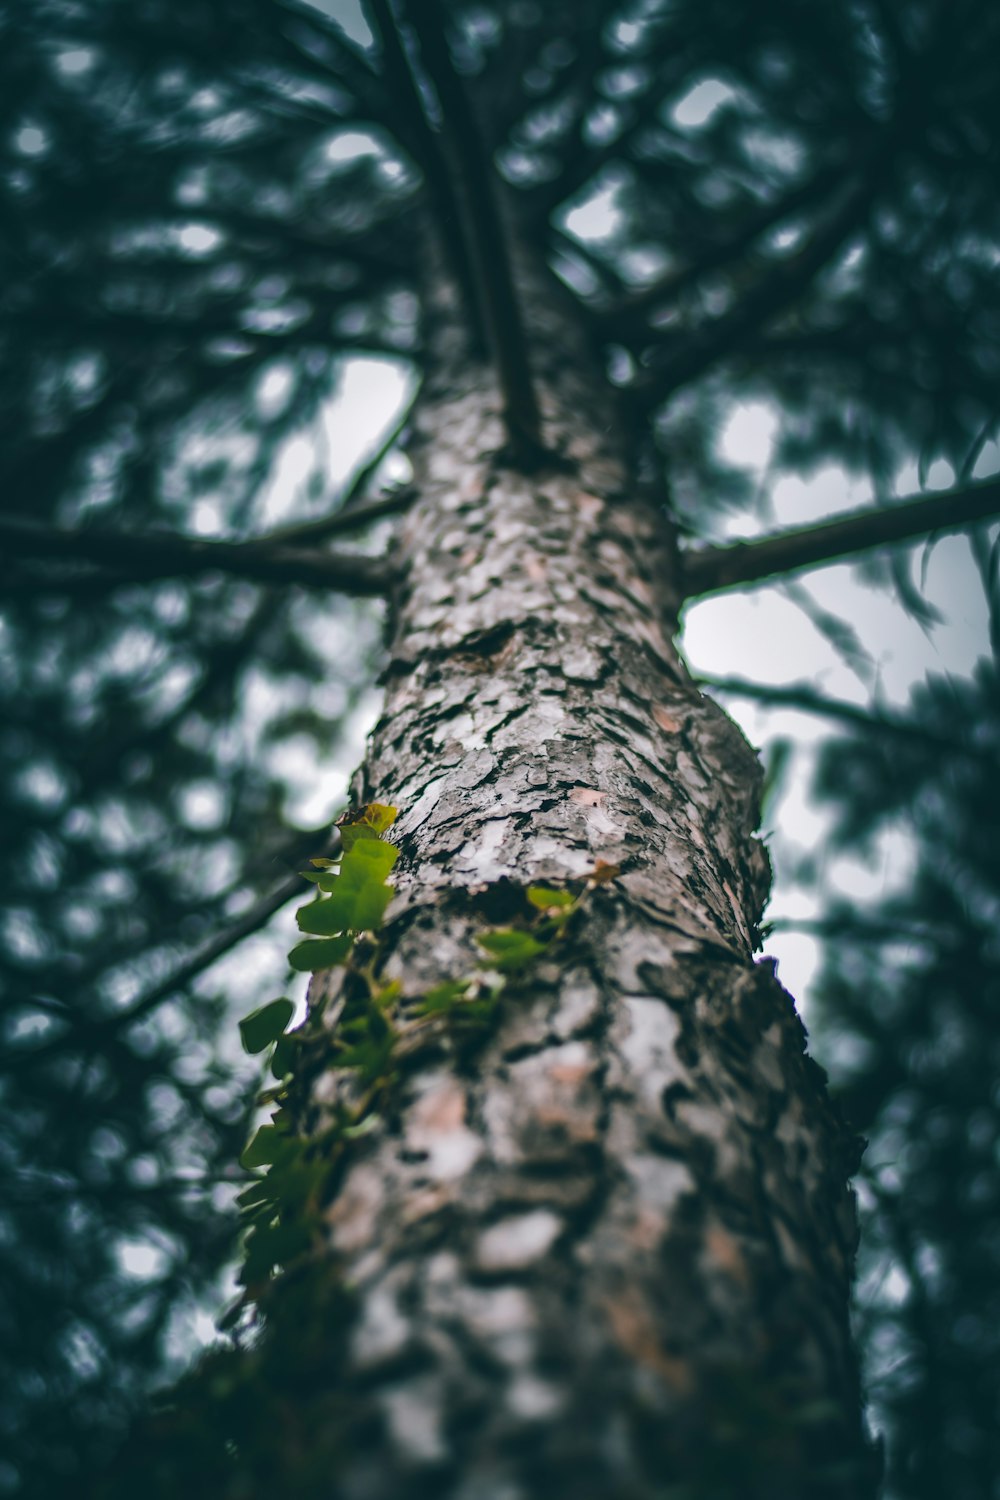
[[709, 570], [421, 140], [486, 239], [155, 555], [628, 310], [803, 697], [779, 287], [351, 515], [253, 919], [347, 518]]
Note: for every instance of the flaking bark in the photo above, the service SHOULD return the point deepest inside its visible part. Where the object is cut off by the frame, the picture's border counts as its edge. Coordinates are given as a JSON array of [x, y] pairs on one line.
[[607, 1252]]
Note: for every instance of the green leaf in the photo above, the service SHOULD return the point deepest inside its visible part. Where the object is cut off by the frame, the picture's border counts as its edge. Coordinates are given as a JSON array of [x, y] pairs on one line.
[[321, 917], [270, 1245], [321, 954], [264, 1026], [545, 898], [443, 997], [368, 1045], [268, 1146], [256, 1194], [358, 895], [387, 995], [510, 949], [376, 856], [370, 823], [283, 1060]]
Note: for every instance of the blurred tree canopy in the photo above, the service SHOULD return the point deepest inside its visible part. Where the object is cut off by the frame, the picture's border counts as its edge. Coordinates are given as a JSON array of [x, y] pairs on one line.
[[209, 209], [909, 996]]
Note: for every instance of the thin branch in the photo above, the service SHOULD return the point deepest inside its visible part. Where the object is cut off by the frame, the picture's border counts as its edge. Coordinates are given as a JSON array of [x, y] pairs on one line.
[[777, 289], [804, 698], [252, 920], [629, 309], [709, 570], [425, 147], [863, 929], [352, 514], [131, 558], [489, 252], [346, 520]]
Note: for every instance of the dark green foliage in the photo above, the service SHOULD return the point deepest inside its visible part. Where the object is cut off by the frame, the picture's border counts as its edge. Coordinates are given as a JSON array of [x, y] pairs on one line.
[[910, 1006], [141, 813], [226, 1431], [192, 245]]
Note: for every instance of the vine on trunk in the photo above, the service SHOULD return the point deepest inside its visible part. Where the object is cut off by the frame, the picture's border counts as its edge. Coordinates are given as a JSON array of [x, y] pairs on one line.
[[375, 1035]]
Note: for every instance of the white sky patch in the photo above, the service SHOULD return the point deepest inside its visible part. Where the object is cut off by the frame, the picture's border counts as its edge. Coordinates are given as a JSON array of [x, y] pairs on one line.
[[889, 869], [350, 145], [140, 1259], [348, 15], [202, 805], [31, 140], [75, 63], [597, 218], [774, 151], [896, 1288], [748, 437], [319, 792], [365, 402], [369, 395], [798, 957], [796, 500], [198, 239], [700, 103], [627, 32], [274, 389], [206, 518]]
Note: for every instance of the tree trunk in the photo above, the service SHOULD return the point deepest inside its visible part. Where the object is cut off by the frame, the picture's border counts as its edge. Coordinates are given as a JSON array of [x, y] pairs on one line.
[[607, 1252]]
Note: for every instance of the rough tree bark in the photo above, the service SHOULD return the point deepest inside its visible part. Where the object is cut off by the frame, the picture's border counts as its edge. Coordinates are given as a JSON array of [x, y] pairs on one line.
[[608, 1252], [605, 1250]]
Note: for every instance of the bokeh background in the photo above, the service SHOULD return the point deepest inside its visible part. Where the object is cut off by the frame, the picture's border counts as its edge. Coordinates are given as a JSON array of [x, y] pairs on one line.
[[209, 325]]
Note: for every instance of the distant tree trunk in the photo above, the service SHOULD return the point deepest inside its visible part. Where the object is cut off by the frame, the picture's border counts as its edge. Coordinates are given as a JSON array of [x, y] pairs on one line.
[[607, 1253]]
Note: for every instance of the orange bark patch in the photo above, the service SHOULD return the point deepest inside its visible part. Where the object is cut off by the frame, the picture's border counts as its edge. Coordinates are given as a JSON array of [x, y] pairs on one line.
[[632, 1324], [587, 796], [589, 506], [724, 1250], [353, 1215], [441, 1109], [424, 1203], [665, 719], [571, 1072]]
